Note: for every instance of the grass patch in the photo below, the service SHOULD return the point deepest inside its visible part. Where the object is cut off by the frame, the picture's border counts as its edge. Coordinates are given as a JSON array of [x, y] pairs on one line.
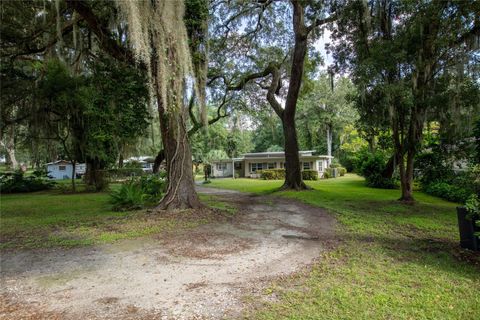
[[51, 219], [395, 261], [214, 202]]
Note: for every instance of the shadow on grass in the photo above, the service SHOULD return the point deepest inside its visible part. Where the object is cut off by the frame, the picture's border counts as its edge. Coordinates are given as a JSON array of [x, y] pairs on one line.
[[436, 254]]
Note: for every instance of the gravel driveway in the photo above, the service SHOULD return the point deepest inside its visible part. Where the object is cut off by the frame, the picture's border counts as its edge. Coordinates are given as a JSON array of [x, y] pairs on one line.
[[199, 274]]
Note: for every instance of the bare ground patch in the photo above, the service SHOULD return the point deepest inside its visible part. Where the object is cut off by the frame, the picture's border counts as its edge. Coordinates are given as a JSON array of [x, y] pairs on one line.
[[204, 244], [202, 273]]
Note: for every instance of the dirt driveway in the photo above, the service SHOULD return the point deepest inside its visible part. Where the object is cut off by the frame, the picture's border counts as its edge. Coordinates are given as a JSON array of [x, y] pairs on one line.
[[201, 274]]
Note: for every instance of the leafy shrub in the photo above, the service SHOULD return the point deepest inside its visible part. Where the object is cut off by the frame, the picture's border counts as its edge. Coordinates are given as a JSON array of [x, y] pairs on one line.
[[433, 168], [162, 174], [272, 174], [340, 170], [132, 165], [137, 193], [454, 187], [330, 172], [359, 159], [371, 168], [447, 191], [326, 174], [349, 162], [472, 204], [274, 148], [310, 175], [378, 181], [153, 186], [476, 157], [198, 169], [336, 172], [465, 180], [472, 179], [64, 188], [335, 165], [17, 182], [122, 173], [129, 197]]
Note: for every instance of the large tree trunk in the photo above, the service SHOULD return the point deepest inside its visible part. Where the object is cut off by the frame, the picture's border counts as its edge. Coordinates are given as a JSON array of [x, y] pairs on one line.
[[120, 156], [411, 145], [94, 175], [293, 172], [421, 85], [11, 158], [371, 144], [9, 146], [180, 192], [391, 165], [401, 146], [406, 179], [158, 161]]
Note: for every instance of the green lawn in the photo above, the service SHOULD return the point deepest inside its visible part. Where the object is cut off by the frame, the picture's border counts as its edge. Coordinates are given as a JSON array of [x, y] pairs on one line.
[[52, 219], [394, 261]]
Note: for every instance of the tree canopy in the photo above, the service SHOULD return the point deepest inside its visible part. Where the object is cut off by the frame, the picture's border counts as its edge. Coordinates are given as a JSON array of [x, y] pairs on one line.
[[99, 81]]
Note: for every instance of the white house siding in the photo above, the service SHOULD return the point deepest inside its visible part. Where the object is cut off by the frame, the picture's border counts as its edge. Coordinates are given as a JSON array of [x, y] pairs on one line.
[[321, 165], [80, 168], [63, 170], [318, 165], [54, 171], [222, 169], [253, 162]]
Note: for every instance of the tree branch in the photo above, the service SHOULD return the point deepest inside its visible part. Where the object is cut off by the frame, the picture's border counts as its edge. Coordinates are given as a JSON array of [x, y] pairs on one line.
[[276, 106], [197, 125], [273, 88], [28, 50], [219, 109], [190, 111], [249, 77], [104, 36], [321, 22]]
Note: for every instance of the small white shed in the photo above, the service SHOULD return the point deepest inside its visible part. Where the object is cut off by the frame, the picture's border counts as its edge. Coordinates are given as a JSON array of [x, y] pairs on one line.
[[62, 169], [222, 168]]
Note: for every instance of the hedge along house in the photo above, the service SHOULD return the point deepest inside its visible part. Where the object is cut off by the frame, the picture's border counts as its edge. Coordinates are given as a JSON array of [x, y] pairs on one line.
[[62, 169], [250, 163]]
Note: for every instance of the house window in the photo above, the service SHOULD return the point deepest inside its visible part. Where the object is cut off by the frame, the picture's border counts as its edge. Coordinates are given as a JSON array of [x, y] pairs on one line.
[[260, 166], [255, 166], [62, 168], [307, 165], [221, 166], [282, 165]]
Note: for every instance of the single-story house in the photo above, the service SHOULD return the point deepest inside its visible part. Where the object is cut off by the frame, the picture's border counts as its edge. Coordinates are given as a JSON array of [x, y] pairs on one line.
[[62, 169], [250, 163]]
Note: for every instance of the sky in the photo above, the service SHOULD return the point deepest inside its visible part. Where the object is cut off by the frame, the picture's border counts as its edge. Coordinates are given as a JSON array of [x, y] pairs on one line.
[[320, 46]]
